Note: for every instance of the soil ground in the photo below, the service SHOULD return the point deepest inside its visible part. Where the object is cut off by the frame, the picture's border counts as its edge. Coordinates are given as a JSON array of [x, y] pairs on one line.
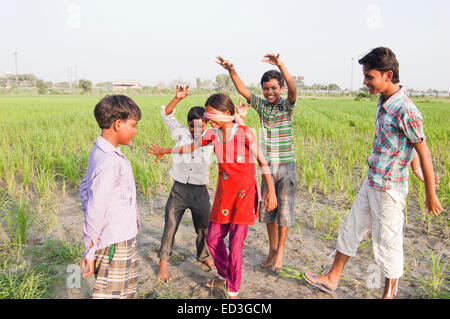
[[305, 250]]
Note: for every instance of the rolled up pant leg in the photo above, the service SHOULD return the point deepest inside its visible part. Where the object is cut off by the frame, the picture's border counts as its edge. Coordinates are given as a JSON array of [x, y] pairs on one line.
[[356, 224], [387, 231], [383, 210]]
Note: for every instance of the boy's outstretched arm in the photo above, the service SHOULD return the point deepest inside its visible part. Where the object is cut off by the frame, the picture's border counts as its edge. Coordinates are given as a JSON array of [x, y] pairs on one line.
[[240, 86], [180, 94], [274, 59], [426, 164]]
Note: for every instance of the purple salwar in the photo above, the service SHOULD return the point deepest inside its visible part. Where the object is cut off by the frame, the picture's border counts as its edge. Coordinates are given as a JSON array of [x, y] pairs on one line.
[[229, 265]]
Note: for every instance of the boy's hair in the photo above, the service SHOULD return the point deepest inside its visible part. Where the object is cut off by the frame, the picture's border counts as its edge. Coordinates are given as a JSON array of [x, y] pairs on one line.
[[114, 107], [221, 102], [382, 59], [195, 113], [273, 74]]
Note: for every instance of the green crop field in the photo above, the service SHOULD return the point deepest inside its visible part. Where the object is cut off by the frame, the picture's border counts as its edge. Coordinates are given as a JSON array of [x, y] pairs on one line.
[[45, 143]]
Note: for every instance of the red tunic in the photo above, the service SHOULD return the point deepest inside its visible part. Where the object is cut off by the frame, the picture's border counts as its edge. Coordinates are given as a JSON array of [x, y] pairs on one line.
[[236, 199]]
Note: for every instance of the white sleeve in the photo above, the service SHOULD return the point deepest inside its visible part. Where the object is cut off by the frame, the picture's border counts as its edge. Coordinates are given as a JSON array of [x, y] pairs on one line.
[[175, 127]]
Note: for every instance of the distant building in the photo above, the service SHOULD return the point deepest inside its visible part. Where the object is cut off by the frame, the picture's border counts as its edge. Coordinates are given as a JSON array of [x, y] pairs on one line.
[[62, 85], [126, 84], [8, 80]]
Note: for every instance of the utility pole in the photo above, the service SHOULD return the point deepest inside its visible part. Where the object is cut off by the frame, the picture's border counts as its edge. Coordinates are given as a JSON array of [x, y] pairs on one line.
[[15, 62], [351, 76]]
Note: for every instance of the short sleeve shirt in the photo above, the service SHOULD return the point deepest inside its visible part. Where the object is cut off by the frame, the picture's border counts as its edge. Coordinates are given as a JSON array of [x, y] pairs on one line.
[[276, 122], [398, 126]]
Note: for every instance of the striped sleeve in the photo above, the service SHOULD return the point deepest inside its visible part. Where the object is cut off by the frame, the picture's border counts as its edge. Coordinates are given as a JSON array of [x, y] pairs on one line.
[[290, 107], [257, 103]]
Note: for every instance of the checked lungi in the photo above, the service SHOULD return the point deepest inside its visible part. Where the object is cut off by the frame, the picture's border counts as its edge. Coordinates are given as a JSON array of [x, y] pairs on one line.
[[118, 279]]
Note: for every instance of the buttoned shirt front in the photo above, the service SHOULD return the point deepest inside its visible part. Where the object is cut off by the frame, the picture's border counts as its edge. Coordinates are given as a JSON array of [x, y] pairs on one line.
[[187, 168], [398, 126], [108, 198]]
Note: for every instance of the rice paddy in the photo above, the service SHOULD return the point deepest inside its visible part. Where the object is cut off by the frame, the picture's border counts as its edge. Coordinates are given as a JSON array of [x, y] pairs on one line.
[[45, 143]]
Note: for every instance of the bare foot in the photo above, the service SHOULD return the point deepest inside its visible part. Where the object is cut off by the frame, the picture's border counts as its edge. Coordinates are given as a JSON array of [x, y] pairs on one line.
[[209, 263], [163, 274], [390, 288], [215, 282], [269, 261], [278, 263]]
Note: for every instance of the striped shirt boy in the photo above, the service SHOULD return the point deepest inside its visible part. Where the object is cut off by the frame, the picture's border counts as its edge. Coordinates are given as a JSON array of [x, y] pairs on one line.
[[276, 124]]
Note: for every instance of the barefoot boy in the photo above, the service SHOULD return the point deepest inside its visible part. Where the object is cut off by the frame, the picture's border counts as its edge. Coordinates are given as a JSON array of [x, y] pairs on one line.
[[108, 197], [381, 200], [276, 115], [190, 174]]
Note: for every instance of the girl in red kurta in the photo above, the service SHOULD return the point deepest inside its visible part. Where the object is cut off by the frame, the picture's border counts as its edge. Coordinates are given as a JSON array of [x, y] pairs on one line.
[[236, 200]]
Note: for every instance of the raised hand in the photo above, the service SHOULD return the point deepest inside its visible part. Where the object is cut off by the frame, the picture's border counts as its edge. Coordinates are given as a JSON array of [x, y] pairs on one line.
[[227, 65], [273, 59], [182, 92], [156, 150], [242, 109]]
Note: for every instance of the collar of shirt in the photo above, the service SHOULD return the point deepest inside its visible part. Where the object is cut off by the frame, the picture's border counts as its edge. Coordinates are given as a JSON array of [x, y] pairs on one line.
[[390, 105], [219, 133], [106, 146], [279, 104]]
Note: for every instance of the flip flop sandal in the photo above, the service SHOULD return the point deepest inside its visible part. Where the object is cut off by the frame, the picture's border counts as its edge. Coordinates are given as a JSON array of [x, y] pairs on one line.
[[316, 283]]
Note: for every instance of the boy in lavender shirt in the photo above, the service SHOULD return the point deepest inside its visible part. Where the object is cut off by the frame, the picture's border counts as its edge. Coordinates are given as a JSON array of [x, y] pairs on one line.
[[108, 196]]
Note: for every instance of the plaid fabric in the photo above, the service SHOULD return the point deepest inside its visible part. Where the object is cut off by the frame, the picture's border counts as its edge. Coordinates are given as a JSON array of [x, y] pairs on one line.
[[398, 125], [118, 279], [276, 123]]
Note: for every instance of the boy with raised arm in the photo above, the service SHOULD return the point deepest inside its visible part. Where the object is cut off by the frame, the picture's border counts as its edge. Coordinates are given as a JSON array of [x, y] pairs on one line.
[[276, 116], [190, 174]]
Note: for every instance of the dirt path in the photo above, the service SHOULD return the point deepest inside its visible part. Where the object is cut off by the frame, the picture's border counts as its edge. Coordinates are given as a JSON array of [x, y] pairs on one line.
[[305, 250]]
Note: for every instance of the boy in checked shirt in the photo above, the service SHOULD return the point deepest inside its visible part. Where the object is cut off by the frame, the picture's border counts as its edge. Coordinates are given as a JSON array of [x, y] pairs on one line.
[[398, 143]]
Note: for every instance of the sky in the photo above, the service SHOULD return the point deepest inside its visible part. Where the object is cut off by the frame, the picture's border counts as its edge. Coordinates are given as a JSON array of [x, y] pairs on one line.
[[161, 41]]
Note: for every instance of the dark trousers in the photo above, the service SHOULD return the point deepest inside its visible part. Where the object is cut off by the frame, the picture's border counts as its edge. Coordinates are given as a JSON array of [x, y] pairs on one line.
[[182, 197]]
